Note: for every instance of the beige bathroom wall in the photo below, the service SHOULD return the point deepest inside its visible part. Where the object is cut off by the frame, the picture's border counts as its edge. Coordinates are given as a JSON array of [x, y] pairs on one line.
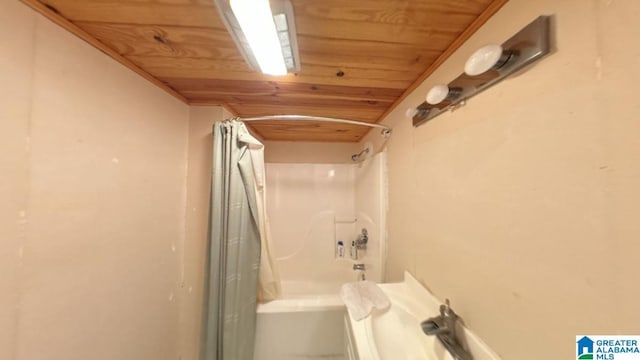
[[16, 61], [93, 167], [522, 206]]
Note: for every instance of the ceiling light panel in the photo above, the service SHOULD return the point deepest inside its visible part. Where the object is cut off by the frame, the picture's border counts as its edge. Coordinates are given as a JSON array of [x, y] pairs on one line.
[[264, 33]]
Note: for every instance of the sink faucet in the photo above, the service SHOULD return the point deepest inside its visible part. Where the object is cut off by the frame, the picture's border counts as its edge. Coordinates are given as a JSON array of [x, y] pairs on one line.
[[444, 328]]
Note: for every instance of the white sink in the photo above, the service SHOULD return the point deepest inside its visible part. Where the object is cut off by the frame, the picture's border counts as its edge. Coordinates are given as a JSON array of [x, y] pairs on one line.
[[395, 334]]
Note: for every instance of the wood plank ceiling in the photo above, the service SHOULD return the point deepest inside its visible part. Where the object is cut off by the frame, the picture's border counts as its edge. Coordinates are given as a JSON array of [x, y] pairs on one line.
[[359, 58]]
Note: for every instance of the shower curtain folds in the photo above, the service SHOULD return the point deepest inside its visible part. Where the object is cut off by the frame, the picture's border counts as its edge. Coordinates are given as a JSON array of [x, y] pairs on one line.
[[229, 314]]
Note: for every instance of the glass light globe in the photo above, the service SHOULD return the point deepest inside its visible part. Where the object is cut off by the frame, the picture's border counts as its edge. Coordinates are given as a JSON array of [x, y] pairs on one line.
[[437, 94], [483, 60], [411, 112]]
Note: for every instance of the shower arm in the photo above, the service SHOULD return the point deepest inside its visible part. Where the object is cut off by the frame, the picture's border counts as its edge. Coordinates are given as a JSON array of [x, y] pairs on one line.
[[356, 157], [385, 132]]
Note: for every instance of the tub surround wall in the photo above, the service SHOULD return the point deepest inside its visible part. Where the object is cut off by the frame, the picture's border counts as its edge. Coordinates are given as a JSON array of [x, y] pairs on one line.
[[310, 207], [313, 206], [371, 211], [522, 205]]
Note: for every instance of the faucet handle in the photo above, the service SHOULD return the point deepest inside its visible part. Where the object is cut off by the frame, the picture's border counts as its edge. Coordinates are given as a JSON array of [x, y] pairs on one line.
[[445, 309]]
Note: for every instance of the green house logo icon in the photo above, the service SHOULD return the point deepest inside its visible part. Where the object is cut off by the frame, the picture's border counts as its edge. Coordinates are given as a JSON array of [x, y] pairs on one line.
[[585, 348]]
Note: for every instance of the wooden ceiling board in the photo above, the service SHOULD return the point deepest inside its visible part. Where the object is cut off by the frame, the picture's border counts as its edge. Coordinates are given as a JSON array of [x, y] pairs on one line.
[[359, 58], [169, 41], [217, 87], [389, 10], [284, 100], [199, 68], [404, 13], [149, 12], [379, 32], [312, 131], [215, 44]]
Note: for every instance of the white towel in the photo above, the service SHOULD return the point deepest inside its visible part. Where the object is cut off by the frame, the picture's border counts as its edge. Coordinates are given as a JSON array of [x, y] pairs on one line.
[[361, 297]]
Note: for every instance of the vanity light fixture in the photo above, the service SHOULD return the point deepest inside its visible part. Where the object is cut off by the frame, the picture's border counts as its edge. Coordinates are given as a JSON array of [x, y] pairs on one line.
[[486, 67], [264, 32]]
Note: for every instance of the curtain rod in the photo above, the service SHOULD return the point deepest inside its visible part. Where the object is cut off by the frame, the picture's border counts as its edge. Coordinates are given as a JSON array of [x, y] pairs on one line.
[[386, 131]]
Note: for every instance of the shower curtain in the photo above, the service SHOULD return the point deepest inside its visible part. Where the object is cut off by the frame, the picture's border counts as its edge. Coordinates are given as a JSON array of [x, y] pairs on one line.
[[237, 227], [269, 278]]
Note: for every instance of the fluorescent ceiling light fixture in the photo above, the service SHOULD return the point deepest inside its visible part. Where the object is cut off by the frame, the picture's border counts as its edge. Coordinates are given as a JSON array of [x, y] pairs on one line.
[[264, 32]]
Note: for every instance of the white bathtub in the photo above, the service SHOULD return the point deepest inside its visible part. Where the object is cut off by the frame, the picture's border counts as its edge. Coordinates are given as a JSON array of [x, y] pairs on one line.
[[304, 326]]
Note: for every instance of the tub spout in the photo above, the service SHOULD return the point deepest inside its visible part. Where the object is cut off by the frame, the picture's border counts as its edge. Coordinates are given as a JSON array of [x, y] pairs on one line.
[[360, 269]]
